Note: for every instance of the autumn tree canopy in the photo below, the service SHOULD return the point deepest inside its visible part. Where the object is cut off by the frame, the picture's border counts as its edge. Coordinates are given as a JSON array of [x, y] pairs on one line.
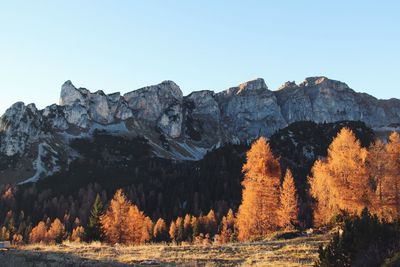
[[258, 213], [56, 233], [125, 223], [227, 233], [137, 227], [341, 181], [391, 185], [289, 207], [38, 233], [160, 231]]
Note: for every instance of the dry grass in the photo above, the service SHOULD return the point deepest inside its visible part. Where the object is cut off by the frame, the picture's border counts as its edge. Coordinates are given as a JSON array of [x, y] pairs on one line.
[[300, 251]]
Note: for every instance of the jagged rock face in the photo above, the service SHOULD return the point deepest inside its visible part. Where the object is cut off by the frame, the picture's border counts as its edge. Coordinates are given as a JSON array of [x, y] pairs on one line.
[[202, 117], [19, 126], [322, 100], [160, 105], [70, 95], [82, 106], [181, 127], [56, 117], [250, 110]]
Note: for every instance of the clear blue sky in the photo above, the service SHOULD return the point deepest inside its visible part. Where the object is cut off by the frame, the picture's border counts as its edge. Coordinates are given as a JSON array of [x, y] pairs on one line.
[[125, 45]]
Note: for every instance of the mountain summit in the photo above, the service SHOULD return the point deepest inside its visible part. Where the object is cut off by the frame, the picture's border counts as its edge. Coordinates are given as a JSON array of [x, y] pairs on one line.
[[177, 127]]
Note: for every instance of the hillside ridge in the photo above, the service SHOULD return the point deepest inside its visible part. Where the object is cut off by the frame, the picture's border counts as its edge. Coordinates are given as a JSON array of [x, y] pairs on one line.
[[178, 127]]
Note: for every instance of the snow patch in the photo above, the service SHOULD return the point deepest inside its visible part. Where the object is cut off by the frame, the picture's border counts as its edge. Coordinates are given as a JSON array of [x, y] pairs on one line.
[[196, 153], [40, 166]]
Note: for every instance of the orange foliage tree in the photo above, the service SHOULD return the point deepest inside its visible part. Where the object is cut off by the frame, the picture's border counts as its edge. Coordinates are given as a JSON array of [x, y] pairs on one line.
[[173, 230], [4, 234], [38, 233], [137, 227], [113, 221], [211, 225], [391, 185], [341, 182], [227, 233], [187, 227], [56, 233], [289, 209], [160, 232], [377, 170], [195, 227], [124, 223], [258, 211], [77, 234]]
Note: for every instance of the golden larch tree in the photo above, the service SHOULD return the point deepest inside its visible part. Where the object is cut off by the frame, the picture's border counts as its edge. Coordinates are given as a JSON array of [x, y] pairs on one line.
[[4, 234], [137, 227], [56, 232], [289, 208], [211, 224], [180, 232], [160, 232], [227, 233], [258, 211], [77, 234], [195, 226], [17, 239], [113, 221], [391, 186], [38, 233], [341, 182], [320, 188], [124, 223], [187, 227], [173, 231], [376, 162]]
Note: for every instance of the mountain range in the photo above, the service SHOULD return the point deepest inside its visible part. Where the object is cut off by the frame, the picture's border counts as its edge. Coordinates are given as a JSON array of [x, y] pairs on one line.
[[37, 143]]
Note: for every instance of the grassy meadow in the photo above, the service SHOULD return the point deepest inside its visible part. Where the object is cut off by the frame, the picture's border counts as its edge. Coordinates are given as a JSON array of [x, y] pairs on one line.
[[300, 251]]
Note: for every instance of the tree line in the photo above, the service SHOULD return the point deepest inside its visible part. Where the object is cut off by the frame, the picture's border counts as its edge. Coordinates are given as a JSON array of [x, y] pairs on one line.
[[348, 180]]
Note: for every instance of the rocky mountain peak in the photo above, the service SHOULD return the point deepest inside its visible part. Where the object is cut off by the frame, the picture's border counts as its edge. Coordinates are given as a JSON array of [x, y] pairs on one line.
[[324, 82], [252, 85], [249, 87], [172, 87], [70, 95], [179, 127], [288, 85]]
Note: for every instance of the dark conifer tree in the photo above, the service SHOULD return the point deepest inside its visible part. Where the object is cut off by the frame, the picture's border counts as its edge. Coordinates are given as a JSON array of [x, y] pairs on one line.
[[93, 231]]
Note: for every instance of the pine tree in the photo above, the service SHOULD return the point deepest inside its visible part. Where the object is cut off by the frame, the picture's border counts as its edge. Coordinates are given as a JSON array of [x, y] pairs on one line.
[[289, 209], [93, 231], [257, 214]]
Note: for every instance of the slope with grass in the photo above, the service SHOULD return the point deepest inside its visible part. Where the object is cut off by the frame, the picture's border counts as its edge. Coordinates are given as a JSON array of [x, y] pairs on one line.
[[300, 251]]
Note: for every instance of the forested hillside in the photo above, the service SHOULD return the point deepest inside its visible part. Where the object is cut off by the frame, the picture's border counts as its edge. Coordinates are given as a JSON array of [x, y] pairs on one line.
[[165, 188]]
